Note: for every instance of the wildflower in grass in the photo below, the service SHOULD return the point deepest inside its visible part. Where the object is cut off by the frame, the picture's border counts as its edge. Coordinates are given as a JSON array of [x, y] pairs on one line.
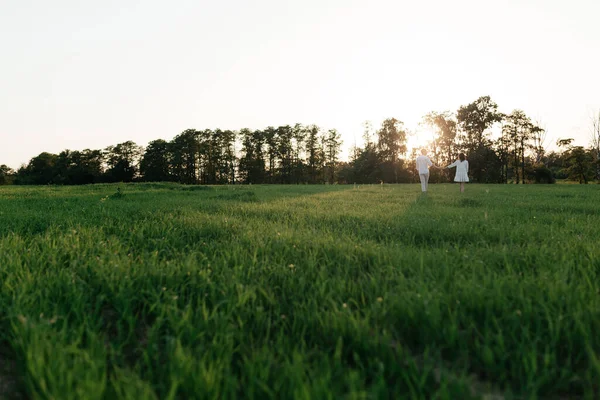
[[283, 316], [380, 299], [291, 266], [345, 305], [164, 288]]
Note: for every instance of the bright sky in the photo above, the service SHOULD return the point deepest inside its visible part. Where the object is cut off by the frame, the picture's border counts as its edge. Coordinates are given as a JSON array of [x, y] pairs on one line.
[[80, 74]]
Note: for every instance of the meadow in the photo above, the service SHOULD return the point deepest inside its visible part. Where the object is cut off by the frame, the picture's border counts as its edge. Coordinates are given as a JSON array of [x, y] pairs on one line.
[[165, 291]]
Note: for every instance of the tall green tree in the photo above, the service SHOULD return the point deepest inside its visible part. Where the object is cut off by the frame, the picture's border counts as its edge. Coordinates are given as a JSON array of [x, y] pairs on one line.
[[155, 164], [391, 144], [475, 119], [299, 134], [184, 150], [538, 137], [92, 165], [270, 136], [217, 156], [79, 167], [579, 161], [520, 131], [580, 164], [123, 161], [314, 152], [39, 171], [366, 165], [6, 175], [284, 135], [207, 156], [252, 160], [332, 146], [503, 151]]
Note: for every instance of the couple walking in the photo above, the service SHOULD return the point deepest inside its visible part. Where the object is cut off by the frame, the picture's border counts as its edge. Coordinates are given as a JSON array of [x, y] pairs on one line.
[[424, 162]]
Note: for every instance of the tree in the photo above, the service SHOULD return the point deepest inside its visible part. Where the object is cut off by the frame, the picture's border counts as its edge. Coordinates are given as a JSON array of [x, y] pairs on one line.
[[538, 135], [578, 160], [270, 135], [39, 170], [391, 143], [580, 164], [332, 145], [314, 153], [284, 151], [502, 148], [520, 130], [555, 162], [123, 161], [6, 175], [227, 158], [252, 161], [299, 134], [489, 165], [207, 156], [80, 167], [155, 163], [366, 165], [184, 150], [475, 118], [93, 161]]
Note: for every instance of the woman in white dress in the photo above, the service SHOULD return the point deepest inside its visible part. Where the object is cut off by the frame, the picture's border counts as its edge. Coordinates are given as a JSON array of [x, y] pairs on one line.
[[462, 169]]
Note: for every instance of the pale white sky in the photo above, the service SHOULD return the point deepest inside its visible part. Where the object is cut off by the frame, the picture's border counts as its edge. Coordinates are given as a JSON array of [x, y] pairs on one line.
[[80, 74]]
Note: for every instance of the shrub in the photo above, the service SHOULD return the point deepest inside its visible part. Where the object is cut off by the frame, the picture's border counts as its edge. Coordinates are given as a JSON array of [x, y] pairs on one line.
[[543, 175]]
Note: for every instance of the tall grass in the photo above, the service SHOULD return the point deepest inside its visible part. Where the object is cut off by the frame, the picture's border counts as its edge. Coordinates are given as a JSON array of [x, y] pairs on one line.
[[162, 291]]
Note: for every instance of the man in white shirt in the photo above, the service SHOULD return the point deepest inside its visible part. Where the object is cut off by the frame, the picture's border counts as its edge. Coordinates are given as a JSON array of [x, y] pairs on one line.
[[423, 164]]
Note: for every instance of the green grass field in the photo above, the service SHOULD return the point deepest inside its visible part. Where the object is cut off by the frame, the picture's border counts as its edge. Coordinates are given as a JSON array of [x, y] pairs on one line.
[[303, 292]]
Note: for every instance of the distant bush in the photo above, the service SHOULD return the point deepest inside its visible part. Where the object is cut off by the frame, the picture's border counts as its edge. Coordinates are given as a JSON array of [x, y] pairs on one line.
[[542, 174]]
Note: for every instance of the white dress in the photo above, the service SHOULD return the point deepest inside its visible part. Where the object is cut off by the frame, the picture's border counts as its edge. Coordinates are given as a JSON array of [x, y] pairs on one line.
[[462, 167]]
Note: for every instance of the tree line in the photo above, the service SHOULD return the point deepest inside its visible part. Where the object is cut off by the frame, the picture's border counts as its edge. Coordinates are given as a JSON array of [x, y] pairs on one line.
[[309, 154]]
